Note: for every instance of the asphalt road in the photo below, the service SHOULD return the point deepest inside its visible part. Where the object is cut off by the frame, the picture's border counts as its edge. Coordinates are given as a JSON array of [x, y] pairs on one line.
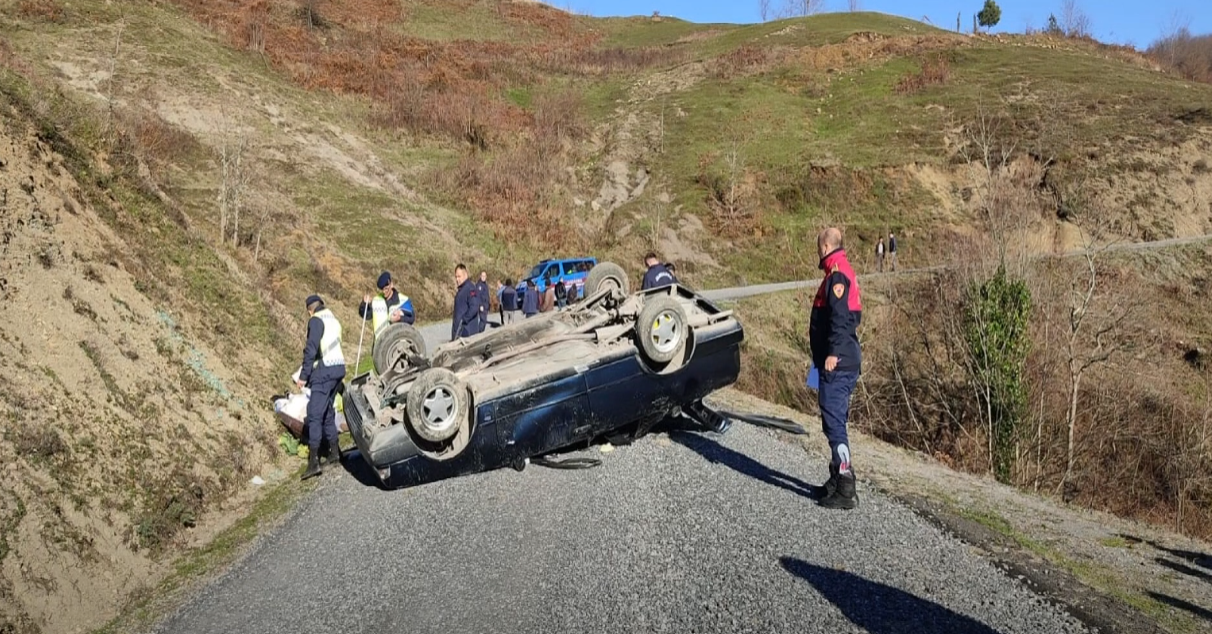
[[680, 532]]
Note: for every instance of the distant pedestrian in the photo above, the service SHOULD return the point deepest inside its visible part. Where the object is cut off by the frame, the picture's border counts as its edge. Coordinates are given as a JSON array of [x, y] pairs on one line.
[[509, 304], [485, 298], [530, 298], [892, 249], [837, 311], [548, 303], [879, 256], [467, 306], [561, 294]]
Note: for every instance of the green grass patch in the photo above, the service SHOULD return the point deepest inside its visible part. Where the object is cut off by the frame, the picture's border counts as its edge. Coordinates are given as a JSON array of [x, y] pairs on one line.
[[202, 562]]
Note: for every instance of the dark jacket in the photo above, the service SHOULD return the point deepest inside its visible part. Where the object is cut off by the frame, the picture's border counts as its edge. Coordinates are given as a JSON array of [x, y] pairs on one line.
[[837, 311], [311, 353], [408, 314], [467, 306], [509, 298], [530, 300], [485, 297], [657, 275], [561, 292], [892, 244]]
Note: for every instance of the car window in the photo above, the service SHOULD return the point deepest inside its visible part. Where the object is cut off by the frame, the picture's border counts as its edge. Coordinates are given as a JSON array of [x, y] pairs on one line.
[[570, 268], [585, 265]]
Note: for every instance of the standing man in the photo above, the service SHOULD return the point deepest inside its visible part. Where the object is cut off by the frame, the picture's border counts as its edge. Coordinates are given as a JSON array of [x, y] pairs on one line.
[[485, 301], [509, 303], [879, 256], [892, 249], [837, 311], [467, 306], [530, 298], [561, 293], [389, 306], [657, 274], [323, 370]]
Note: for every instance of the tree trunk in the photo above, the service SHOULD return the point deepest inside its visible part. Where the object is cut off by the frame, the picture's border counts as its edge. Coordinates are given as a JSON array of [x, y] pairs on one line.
[[1075, 379]]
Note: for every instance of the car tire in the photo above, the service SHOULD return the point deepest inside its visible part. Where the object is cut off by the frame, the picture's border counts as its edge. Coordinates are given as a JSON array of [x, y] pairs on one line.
[[397, 340], [606, 275], [438, 405], [661, 329]]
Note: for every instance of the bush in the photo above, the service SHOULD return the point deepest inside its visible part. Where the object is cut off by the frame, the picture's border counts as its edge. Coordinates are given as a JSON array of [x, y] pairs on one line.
[[1188, 55], [995, 329], [935, 71]]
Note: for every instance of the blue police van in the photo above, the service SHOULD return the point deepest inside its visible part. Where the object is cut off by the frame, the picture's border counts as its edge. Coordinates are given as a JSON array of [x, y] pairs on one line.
[[573, 270]]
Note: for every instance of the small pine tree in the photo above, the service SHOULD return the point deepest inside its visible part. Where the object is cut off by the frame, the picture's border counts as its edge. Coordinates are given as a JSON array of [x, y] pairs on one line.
[[990, 15], [1053, 27]]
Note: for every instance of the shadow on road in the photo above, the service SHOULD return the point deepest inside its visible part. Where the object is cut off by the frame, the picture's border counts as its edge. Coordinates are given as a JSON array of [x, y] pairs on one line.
[[739, 462], [1186, 606], [362, 472], [881, 609], [1184, 569]]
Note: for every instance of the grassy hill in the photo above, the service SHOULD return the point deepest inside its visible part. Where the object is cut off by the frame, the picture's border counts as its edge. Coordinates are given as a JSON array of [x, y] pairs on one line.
[[214, 162]]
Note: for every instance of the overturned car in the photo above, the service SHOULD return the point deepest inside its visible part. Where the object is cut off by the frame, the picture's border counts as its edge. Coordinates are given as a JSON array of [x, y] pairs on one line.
[[615, 361]]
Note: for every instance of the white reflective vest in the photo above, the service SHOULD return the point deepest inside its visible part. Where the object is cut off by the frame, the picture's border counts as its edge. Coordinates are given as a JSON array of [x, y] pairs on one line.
[[380, 316], [330, 342]]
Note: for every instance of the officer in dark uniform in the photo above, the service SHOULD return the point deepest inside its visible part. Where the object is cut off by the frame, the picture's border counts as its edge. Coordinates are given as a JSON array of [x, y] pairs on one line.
[[837, 311], [657, 274], [323, 370], [467, 306], [485, 297]]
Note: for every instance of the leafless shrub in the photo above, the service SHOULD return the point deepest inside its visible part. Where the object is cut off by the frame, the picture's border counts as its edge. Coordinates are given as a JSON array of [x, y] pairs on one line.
[[1074, 21], [44, 10], [234, 179], [935, 70]]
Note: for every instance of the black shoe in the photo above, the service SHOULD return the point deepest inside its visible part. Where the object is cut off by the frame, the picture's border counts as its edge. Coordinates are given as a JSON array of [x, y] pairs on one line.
[[844, 495], [831, 484], [313, 466], [334, 455]]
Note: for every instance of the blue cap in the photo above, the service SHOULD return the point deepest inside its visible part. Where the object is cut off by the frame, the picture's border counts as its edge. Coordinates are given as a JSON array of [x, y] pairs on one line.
[[384, 280], [311, 299]]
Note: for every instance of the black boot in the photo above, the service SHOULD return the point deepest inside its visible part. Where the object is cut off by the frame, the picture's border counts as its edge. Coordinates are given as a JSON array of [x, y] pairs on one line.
[[313, 465], [844, 495], [334, 454], [831, 484]]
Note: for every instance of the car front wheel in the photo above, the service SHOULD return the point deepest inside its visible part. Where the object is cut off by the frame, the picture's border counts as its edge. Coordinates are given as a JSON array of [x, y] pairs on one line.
[[439, 404]]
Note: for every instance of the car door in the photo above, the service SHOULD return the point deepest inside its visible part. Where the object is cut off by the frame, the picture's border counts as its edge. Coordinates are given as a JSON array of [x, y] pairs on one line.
[[554, 413]]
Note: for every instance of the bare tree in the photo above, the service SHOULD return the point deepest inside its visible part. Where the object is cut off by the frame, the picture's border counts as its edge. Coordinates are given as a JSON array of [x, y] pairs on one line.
[[1074, 21], [855, 5], [113, 72], [797, 8], [234, 177], [1091, 339], [764, 9]]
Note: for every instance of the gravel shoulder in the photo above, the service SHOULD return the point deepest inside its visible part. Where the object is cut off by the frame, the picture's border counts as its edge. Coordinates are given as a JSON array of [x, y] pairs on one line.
[[1114, 574]]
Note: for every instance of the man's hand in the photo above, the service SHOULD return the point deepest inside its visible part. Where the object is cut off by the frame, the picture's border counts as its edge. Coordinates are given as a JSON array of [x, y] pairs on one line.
[[300, 383], [396, 315], [830, 363], [366, 299]]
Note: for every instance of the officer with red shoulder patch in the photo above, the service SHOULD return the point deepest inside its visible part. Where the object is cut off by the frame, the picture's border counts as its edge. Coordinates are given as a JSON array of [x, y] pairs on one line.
[[837, 311]]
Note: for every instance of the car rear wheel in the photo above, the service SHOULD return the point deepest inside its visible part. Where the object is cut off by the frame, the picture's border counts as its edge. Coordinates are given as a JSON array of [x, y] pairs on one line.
[[606, 275], [396, 342], [438, 405], [661, 329]]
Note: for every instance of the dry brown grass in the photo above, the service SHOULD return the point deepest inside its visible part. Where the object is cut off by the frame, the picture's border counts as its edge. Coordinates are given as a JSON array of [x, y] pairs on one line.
[[936, 70], [1189, 55], [43, 10]]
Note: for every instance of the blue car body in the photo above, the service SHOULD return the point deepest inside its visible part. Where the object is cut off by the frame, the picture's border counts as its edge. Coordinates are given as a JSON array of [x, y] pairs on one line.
[[561, 405], [574, 270]]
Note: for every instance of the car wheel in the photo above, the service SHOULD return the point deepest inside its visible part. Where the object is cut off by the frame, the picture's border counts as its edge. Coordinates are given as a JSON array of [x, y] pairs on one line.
[[438, 405], [397, 341], [661, 329], [606, 275]]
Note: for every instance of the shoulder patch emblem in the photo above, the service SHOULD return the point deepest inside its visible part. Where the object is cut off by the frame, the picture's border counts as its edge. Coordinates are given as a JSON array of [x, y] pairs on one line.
[[838, 290]]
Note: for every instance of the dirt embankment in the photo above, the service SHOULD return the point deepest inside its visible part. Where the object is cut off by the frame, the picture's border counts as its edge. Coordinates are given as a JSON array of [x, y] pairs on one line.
[[120, 435]]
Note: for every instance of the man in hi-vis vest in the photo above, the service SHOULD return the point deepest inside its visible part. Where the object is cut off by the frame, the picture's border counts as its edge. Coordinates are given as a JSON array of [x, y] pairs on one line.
[[323, 370], [387, 307]]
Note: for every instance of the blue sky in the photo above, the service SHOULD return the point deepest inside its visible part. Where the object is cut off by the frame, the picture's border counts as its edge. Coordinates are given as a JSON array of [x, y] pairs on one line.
[[1115, 21]]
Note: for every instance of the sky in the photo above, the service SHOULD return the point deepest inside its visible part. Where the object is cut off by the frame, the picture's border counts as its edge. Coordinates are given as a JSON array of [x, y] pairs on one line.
[[1112, 21]]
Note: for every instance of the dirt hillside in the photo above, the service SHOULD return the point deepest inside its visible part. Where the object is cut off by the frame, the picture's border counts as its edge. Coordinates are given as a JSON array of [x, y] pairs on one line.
[[117, 426]]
